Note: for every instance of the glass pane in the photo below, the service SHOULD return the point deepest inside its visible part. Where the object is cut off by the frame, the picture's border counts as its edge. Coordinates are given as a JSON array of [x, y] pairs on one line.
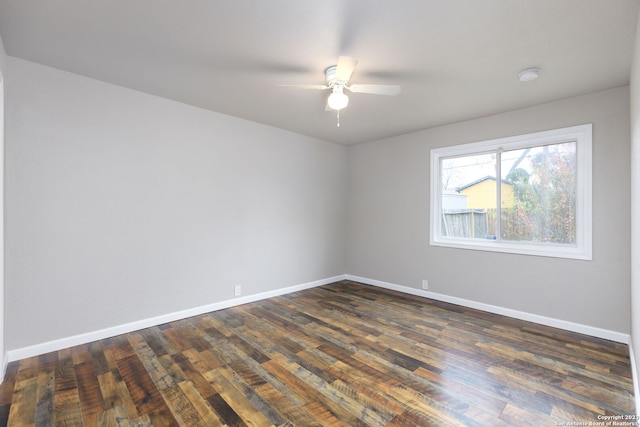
[[539, 194], [468, 196]]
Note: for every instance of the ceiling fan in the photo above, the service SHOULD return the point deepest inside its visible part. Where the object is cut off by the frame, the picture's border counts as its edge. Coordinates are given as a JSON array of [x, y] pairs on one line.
[[338, 77]]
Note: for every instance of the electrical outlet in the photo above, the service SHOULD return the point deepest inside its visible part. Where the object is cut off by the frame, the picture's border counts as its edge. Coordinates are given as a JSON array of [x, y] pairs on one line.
[[425, 284], [237, 290]]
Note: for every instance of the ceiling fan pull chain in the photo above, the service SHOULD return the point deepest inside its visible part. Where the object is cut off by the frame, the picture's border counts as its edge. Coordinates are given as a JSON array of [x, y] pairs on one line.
[[338, 118]]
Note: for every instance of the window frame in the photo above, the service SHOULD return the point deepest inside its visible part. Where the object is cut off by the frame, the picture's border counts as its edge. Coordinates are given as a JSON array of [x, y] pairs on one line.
[[581, 250]]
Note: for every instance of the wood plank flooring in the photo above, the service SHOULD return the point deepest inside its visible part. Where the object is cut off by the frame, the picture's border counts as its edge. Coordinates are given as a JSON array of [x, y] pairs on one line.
[[344, 354]]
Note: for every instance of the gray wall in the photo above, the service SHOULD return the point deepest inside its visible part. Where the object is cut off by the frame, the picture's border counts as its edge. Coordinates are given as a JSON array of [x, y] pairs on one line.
[[388, 219], [3, 58], [123, 206], [3, 80], [635, 205]]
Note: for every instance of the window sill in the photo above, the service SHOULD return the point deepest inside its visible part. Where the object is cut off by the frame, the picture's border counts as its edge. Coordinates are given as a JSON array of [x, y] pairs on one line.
[[534, 249]]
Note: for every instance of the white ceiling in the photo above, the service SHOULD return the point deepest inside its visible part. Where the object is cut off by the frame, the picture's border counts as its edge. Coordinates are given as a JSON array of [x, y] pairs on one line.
[[455, 59]]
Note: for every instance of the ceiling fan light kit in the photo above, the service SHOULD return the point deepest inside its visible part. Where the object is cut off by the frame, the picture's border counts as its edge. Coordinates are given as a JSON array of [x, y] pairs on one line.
[[338, 99], [338, 77]]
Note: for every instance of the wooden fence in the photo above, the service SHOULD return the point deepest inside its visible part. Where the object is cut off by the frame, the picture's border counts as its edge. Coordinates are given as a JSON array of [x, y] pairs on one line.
[[481, 224], [470, 223]]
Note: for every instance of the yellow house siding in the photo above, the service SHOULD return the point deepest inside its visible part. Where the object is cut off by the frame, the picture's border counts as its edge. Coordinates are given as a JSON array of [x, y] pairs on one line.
[[483, 195]]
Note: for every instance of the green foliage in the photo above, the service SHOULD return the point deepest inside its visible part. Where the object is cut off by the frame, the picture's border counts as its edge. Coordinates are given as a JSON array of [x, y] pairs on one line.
[[545, 198], [543, 207]]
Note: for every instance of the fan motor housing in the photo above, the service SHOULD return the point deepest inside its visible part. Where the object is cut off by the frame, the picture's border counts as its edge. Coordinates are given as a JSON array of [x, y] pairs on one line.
[[330, 74]]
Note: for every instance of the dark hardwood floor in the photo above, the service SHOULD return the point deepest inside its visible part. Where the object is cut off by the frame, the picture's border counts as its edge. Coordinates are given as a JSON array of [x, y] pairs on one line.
[[339, 355]]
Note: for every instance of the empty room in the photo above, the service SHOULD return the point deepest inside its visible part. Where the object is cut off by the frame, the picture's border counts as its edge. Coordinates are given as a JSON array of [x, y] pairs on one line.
[[336, 213]]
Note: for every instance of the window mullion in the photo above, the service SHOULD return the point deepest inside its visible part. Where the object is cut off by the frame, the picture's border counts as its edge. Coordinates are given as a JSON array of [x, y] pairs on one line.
[[498, 194]]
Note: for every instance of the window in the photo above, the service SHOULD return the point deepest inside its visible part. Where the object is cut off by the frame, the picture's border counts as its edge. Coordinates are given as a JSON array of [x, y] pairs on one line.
[[528, 194]]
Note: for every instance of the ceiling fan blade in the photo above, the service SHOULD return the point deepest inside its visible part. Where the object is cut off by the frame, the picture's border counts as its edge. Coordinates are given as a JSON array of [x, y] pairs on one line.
[[390, 90], [314, 87], [345, 68]]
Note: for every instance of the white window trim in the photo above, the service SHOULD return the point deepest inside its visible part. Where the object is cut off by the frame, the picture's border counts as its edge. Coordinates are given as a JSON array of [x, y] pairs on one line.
[[582, 249]]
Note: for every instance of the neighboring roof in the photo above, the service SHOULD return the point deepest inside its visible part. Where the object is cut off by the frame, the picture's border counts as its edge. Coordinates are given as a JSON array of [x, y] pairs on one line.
[[478, 181]]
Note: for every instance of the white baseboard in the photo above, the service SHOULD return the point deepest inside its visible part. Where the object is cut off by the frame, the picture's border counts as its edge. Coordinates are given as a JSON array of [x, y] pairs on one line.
[[634, 376], [4, 362], [535, 318], [55, 345]]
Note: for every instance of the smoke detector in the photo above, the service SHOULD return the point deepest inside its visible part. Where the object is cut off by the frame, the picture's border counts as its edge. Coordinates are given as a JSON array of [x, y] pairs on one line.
[[529, 74]]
